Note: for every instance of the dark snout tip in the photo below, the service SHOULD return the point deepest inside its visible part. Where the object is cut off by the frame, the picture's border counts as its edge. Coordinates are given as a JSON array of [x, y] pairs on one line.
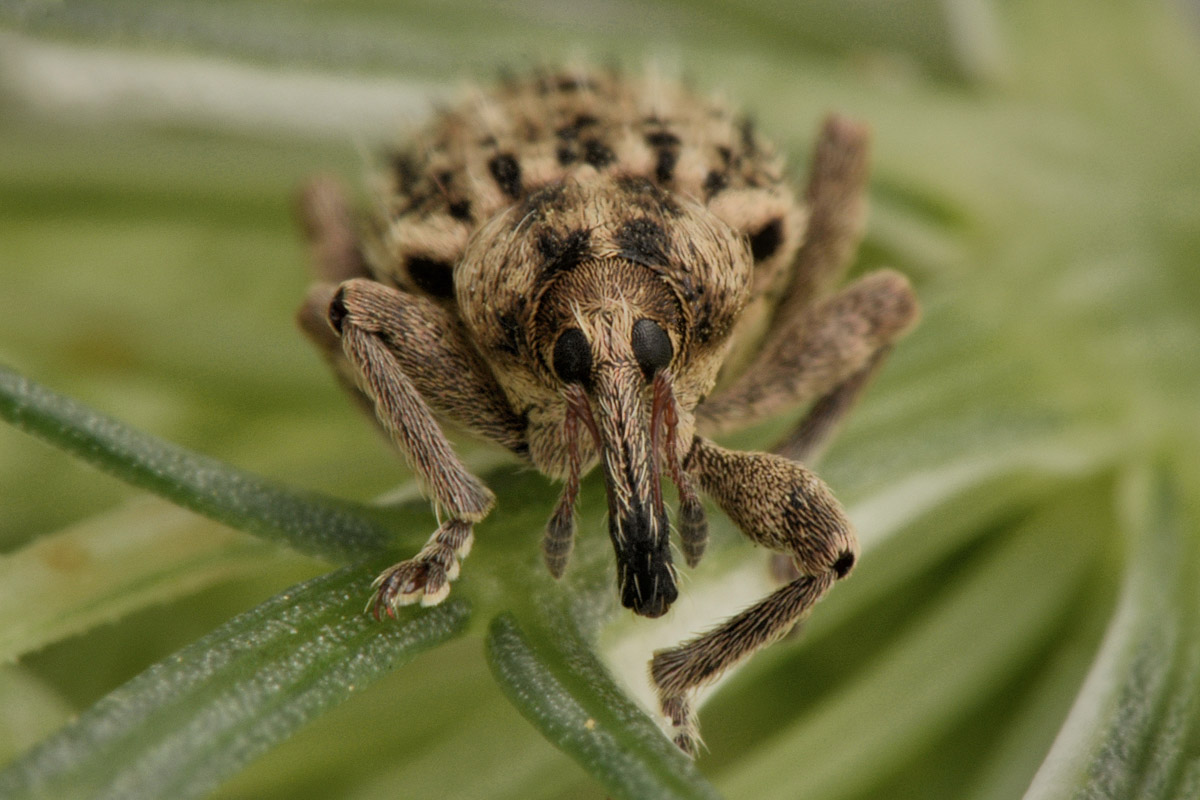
[[647, 580], [651, 606]]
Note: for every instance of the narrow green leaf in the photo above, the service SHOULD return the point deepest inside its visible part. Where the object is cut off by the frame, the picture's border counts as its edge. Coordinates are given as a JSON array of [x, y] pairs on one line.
[[197, 717], [554, 679], [103, 568], [310, 523], [1135, 728], [30, 710], [982, 623]]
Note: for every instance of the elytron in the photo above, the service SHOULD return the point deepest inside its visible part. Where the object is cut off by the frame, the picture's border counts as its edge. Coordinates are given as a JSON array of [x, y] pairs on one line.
[[585, 267]]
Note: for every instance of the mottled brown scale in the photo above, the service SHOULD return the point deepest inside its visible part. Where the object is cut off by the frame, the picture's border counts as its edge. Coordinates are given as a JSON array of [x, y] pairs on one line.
[[473, 161], [590, 269]]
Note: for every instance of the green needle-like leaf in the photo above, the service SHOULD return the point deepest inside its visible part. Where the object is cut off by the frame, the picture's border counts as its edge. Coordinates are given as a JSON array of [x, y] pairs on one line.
[[1135, 728], [1024, 618], [197, 717], [101, 569], [312, 524], [553, 678]]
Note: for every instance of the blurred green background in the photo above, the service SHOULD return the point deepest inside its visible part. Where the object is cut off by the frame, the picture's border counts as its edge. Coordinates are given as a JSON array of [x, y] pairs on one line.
[[1025, 620]]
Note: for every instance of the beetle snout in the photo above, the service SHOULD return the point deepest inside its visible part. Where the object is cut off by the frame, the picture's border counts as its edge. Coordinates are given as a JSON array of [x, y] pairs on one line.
[[637, 520]]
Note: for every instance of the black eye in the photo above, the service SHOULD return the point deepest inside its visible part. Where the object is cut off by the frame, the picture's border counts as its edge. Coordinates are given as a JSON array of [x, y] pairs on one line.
[[651, 347], [572, 356]]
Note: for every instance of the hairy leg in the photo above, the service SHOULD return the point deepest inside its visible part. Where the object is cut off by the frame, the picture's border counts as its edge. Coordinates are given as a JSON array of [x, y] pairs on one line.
[[780, 505], [825, 355], [836, 196], [328, 222], [409, 358], [821, 349]]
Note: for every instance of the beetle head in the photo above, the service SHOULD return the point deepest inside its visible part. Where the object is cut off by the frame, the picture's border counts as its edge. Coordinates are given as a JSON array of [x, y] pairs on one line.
[[604, 309], [610, 330]]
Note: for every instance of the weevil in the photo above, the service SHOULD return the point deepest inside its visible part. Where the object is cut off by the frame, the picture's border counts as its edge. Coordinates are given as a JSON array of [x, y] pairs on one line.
[[586, 268]]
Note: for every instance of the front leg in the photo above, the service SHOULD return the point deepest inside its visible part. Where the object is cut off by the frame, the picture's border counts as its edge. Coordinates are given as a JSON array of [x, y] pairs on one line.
[[406, 355], [780, 505]]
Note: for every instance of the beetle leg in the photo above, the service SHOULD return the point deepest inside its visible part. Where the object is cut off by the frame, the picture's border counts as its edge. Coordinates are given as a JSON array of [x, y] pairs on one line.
[[780, 505], [827, 354], [836, 196], [409, 357], [328, 223], [821, 349], [324, 214]]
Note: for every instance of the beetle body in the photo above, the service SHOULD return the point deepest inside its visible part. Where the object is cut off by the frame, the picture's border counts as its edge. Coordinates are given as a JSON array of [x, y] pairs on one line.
[[591, 269]]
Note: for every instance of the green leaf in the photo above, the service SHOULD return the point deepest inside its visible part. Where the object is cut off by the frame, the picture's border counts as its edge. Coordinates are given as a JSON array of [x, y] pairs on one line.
[[1134, 730], [312, 524], [964, 635], [554, 679], [99, 570], [197, 717], [29, 711], [1036, 172]]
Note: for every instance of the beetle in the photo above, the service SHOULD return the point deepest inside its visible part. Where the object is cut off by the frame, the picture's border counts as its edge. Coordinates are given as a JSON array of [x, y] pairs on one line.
[[586, 268]]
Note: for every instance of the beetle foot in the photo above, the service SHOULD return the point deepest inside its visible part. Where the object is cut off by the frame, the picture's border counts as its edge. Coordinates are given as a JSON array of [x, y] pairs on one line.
[[426, 576]]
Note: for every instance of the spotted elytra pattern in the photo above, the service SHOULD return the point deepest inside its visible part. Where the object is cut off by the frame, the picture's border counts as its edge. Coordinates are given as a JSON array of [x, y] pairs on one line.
[[500, 146]]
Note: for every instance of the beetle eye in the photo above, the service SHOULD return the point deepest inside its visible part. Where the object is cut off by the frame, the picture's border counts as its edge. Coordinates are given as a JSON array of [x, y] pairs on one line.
[[572, 356], [651, 347]]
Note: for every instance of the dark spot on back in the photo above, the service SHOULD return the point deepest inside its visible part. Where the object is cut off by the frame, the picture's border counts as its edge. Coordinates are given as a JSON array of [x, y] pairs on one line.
[[634, 185], [726, 154], [571, 84], [643, 241], [666, 145], [572, 131], [766, 240], [551, 197], [507, 172], [432, 276], [643, 193], [566, 155], [664, 169], [714, 182], [598, 154], [405, 168], [460, 210], [662, 139], [561, 253]]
